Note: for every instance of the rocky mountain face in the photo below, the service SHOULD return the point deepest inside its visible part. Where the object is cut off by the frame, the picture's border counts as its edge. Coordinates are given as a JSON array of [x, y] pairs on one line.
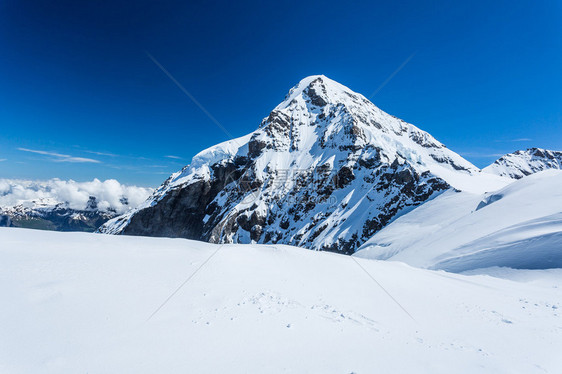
[[325, 170], [522, 163]]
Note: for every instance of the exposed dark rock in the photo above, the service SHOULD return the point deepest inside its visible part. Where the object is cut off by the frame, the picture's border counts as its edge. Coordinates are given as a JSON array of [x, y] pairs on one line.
[[344, 177], [447, 161], [92, 204], [423, 140], [314, 96], [179, 213], [255, 147], [5, 221], [284, 224]]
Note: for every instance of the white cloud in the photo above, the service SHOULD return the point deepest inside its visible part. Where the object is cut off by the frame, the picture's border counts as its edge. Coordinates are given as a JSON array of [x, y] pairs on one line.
[[109, 194], [58, 157], [514, 140], [174, 157], [101, 153], [77, 159], [2, 159]]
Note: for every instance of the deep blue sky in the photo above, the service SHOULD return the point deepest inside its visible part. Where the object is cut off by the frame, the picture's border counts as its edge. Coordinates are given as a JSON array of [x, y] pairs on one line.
[[75, 78]]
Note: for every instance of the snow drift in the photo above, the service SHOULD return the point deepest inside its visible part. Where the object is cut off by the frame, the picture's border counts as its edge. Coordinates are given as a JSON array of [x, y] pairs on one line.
[[517, 226]]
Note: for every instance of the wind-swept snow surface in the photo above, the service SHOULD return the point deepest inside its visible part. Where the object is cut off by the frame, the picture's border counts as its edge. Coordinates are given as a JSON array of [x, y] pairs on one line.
[[80, 303], [518, 226]]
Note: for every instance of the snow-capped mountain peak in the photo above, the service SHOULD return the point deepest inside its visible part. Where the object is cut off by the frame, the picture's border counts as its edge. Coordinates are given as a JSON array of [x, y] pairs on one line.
[[325, 170], [519, 164], [318, 96], [317, 90]]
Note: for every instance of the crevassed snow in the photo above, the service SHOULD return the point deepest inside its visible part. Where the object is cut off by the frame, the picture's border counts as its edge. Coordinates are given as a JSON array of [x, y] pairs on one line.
[[517, 226], [80, 303]]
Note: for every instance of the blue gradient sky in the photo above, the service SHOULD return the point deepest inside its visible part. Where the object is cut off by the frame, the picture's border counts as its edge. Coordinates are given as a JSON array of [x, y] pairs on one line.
[[77, 85]]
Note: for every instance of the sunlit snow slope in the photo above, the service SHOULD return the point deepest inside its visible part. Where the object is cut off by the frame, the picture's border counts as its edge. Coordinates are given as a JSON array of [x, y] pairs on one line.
[[80, 303], [518, 226]]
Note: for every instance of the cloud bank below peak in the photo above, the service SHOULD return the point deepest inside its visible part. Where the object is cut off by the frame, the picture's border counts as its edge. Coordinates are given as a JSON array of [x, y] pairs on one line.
[[109, 194]]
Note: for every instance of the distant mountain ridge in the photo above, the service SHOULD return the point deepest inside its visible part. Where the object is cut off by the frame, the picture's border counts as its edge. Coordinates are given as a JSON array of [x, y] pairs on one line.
[[65, 205], [325, 170], [58, 218], [522, 163]]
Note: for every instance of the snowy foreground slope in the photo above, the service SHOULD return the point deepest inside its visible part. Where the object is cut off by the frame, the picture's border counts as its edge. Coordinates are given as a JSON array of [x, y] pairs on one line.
[[77, 303], [517, 226]]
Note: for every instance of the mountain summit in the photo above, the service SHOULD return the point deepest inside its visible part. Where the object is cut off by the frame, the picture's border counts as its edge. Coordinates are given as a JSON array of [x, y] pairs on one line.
[[325, 170]]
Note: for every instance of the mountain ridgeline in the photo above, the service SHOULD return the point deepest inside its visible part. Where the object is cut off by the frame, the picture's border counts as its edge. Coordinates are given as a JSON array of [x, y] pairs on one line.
[[57, 218], [65, 205], [519, 164], [325, 170]]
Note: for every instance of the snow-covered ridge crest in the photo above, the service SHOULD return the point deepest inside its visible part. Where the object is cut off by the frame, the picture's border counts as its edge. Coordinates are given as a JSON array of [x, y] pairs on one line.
[[325, 170], [522, 163]]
